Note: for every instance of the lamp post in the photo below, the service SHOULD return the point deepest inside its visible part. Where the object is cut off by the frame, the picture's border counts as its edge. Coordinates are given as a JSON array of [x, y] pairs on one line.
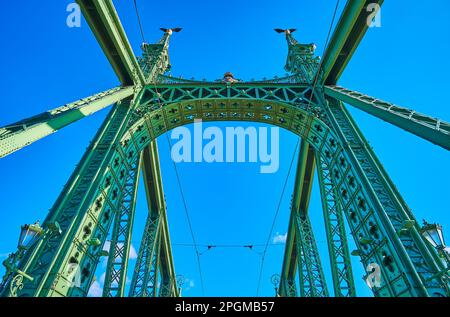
[[432, 232], [180, 281], [30, 235], [275, 279]]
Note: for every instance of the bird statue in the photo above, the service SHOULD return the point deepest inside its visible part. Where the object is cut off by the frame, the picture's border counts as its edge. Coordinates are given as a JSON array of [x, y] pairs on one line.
[[287, 31], [170, 31]]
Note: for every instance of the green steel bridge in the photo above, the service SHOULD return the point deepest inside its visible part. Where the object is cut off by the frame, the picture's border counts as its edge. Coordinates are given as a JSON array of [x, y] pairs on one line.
[[99, 198]]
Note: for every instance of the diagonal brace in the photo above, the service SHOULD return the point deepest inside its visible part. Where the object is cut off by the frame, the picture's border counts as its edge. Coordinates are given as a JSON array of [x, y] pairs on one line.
[[104, 21], [348, 33], [432, 129], [293, 252], [20, 134]]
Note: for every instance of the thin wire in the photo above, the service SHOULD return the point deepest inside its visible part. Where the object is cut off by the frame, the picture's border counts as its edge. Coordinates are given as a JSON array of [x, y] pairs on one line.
[[175, 168], [214, 246], [187, 217], [284, 186], [197, 253], [275, 218], [326, 45], [314, 87], [139, 21]]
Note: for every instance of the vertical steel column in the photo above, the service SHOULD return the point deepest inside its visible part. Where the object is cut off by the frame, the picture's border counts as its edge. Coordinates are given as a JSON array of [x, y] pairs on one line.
[[155, 255], [409, 267], [288, 274], [82, 200], [301, 248], [144, 270], [341, 267], [117, 266], [312, 278]]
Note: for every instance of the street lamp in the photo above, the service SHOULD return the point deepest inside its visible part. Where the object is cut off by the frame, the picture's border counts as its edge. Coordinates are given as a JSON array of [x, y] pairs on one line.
[[29, 234], [432, 232], [275, 279], [180, 281]]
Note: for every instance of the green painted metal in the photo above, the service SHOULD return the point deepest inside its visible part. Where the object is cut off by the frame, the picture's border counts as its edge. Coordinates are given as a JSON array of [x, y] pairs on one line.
[[382, 209], [84, 211], [342, 273], [346, 37], [262, 104], [22, 133], [312, 279], [120, 244], [105, 24], [288, 285], [83, 200], [154, 264], [301, 60], [155, 58], [426, 127], [299, 204], [301, 238], [144, 282], [98, 190]]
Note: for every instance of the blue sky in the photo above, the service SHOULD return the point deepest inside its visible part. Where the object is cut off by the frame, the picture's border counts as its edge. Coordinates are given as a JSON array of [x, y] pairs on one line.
[[46, 64]]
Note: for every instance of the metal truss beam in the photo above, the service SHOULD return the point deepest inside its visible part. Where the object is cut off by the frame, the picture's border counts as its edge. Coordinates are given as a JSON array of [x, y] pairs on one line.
[[288, 287], [312, 279], [157, 203], [341, 267], [143, 283], [119, 250], [102, 17], [155, 255], [301, 249], [20, 134], [385, 230], [91, 196], [168, 286], [347, 35], [375, 211], [434, 130], [85, 208], [302, 186]]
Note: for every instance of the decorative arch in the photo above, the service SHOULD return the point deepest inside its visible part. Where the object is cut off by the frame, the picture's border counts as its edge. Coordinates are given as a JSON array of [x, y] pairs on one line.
[[365, 222]]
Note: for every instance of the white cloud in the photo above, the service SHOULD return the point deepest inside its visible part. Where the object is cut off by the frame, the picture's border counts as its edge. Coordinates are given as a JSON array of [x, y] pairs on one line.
[[280, 238], [188, 284], [132, 254], [96, 290], [102, 278], [107, 245]]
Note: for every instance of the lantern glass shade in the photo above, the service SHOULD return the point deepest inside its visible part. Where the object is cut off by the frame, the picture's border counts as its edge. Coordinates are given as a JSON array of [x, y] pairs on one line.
[[433, 234], [28, 234]]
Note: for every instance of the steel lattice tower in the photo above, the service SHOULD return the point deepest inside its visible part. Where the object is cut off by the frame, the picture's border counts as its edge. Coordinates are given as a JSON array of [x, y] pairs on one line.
[[100, 195]]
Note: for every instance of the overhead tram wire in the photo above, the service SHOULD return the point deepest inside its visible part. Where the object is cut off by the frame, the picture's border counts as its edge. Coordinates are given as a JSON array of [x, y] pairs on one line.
[[275, 218], [225, 245], [176, 169], [197, 252], [187, 215], [139, 21], [316, 78], [287, 177], [309, 103]]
